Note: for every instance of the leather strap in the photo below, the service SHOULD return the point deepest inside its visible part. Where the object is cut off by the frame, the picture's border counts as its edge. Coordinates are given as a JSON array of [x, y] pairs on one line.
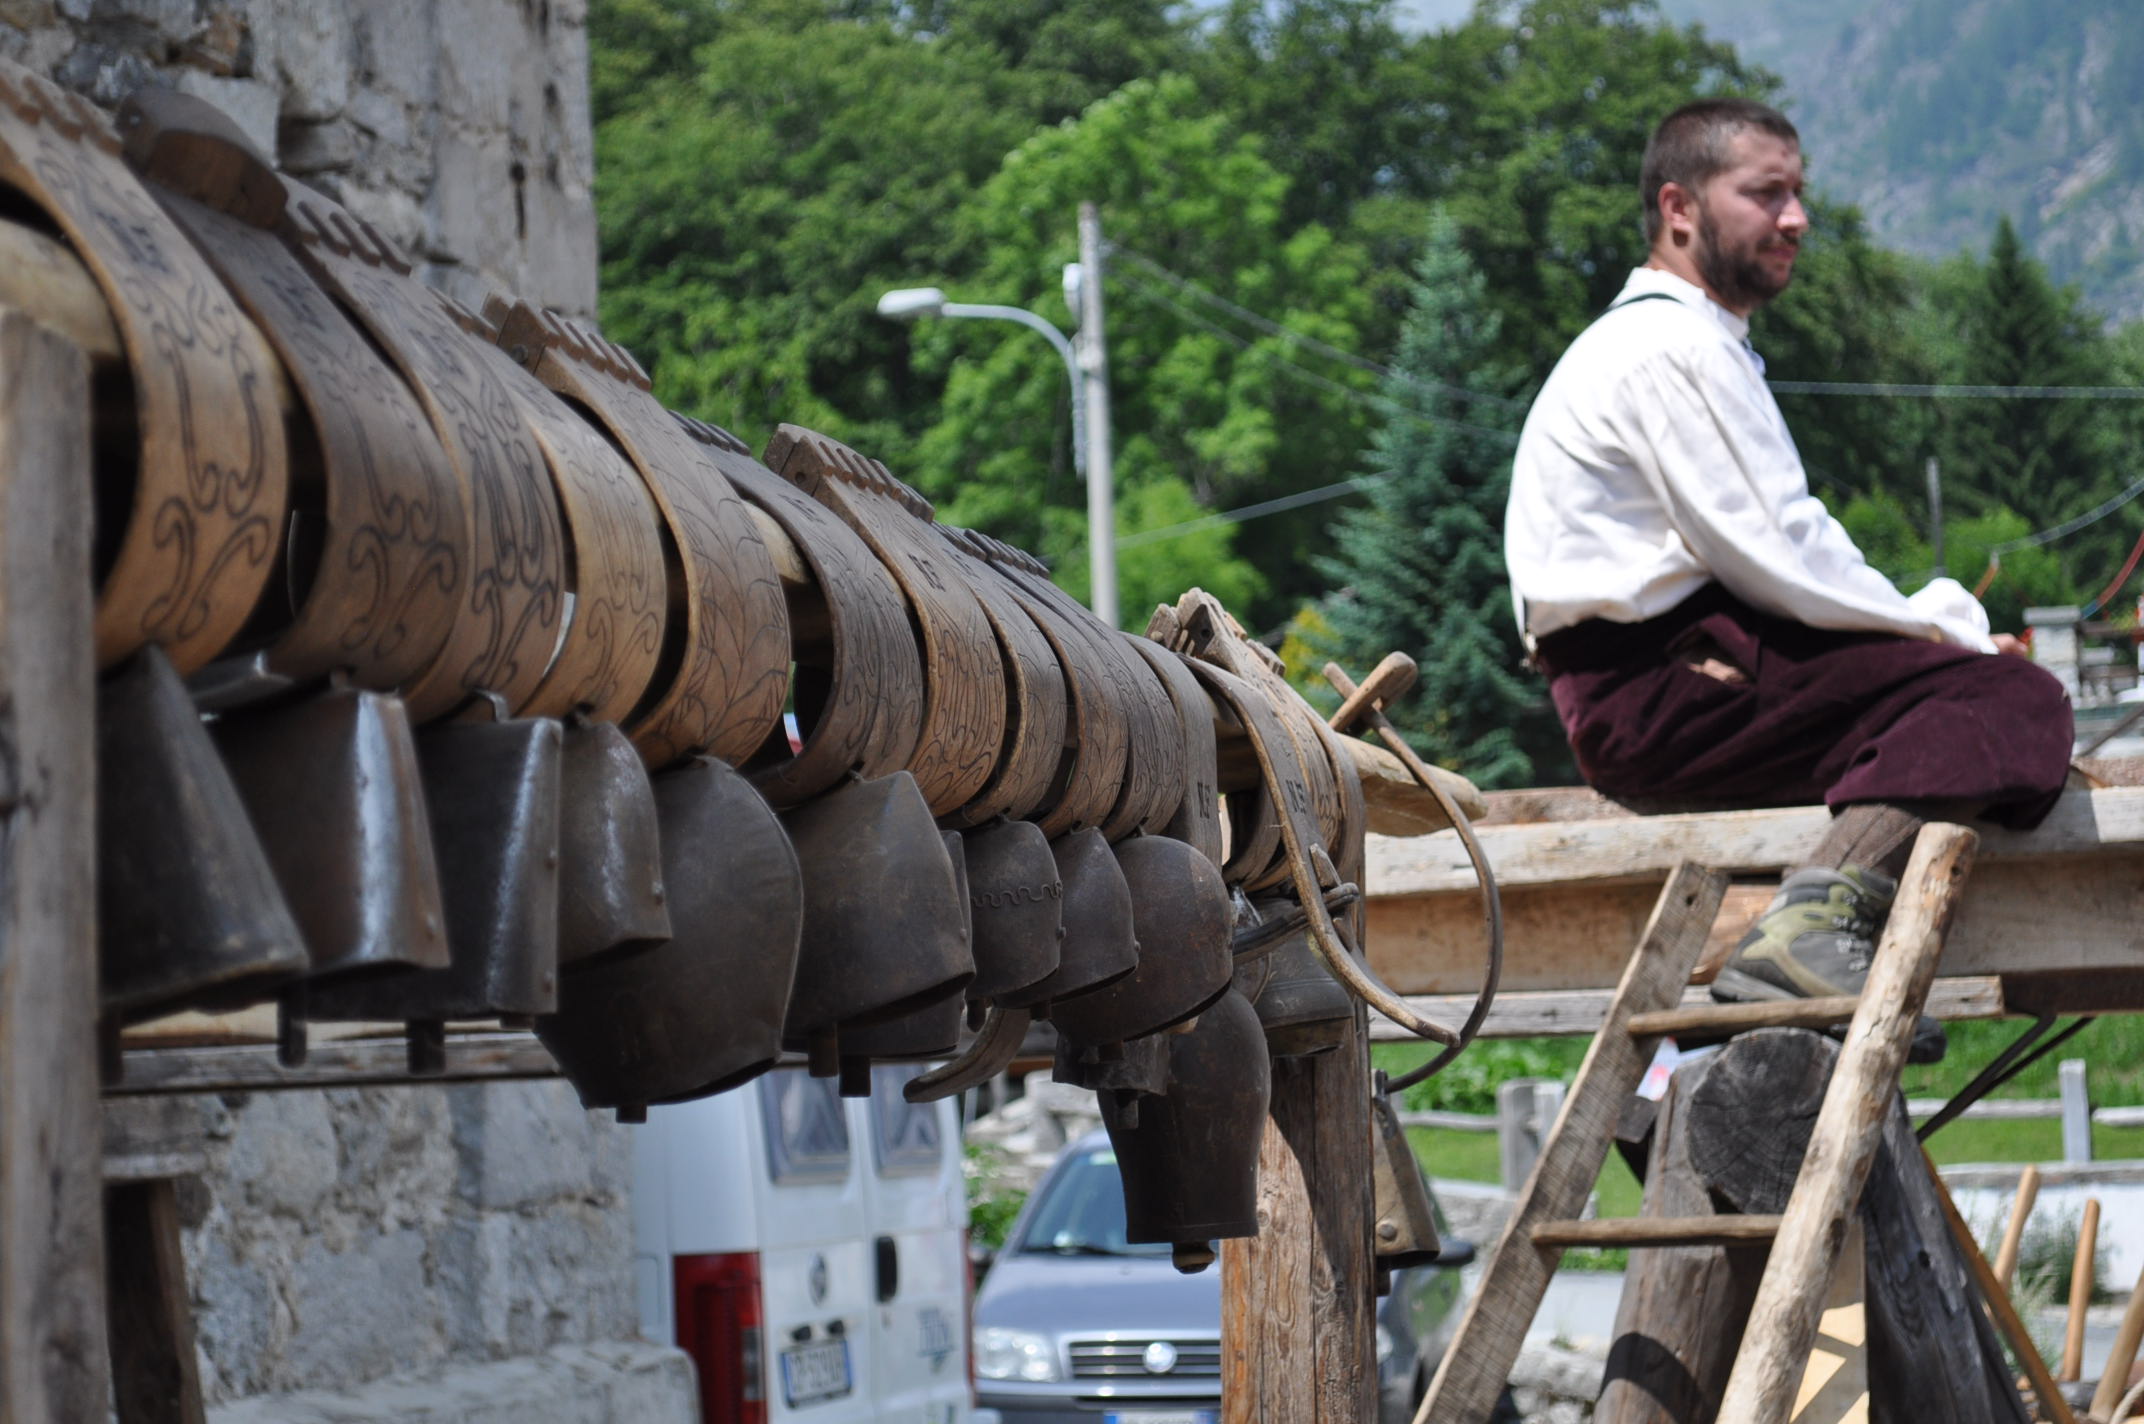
[[614, 624], [372, 489], [1090, 774], [859, 697], [1196, 819], [183, 555], [964, 712], [510, 619], [725, 673], [1037, 706]]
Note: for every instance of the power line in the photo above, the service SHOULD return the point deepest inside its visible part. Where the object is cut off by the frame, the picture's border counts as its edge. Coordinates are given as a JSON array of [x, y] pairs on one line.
[[1360, 485], [1890, 388], [1303, 373], [1273, 328]]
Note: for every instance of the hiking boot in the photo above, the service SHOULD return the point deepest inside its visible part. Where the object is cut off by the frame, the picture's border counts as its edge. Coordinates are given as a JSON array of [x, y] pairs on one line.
[[1816, 940]]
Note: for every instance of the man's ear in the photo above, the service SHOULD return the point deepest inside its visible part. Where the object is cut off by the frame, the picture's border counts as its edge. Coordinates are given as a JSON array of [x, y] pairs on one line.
[[1678, 214]]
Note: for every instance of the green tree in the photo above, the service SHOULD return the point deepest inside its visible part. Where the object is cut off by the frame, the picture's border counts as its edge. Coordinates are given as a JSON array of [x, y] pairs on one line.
[[1209, 412], [1419, 566]]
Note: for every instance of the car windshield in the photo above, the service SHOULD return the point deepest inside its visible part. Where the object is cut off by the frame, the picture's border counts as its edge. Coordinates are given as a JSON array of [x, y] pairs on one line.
[[1082, 1213]]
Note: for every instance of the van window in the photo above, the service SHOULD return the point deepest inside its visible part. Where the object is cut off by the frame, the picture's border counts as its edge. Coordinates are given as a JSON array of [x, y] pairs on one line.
[[910, 1141], [807, 1128]]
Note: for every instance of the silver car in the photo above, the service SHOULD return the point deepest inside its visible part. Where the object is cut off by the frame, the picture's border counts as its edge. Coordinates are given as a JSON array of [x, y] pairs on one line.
[[1076, 1325]]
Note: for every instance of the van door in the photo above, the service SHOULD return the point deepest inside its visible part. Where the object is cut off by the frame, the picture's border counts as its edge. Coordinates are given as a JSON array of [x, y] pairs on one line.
[[918, 1210], [816, 1263]]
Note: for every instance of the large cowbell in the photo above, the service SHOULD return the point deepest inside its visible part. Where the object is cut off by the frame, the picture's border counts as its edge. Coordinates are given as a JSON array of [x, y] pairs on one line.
[[188, 909], [330, 782], [611, 898], [1099, 945], [919, 1035], [885, 924], [1181, 917], [492, 793], [702, 1011], [1015, 912], [1304, 1009], [1190, 1158]]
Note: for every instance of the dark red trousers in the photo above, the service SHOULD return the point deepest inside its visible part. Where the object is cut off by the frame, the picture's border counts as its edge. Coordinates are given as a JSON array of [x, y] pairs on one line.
[[1836, 717]]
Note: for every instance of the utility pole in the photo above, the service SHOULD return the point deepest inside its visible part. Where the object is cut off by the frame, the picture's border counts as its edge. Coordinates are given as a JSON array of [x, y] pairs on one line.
[[1935, 515], [1094, 370]]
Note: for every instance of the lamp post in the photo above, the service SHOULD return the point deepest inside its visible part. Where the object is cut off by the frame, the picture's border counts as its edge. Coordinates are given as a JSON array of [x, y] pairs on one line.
[[912, 303]]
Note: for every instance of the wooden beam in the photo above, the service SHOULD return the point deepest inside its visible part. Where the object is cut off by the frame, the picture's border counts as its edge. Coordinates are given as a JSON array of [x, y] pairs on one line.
[[54, 1360], [1842, 1146], [345, 1064], [1298, 1301], [156, 1379], [2063, 912], [1550, 1013], [1494, 1326], [1728, 1230]]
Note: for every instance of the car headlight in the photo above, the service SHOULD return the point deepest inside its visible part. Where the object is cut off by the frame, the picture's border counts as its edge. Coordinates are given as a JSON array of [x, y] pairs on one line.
[[1002, 1354], [1384, 1344]]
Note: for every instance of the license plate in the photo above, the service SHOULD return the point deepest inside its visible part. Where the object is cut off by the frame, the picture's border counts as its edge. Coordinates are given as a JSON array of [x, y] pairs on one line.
[[819, 1370], [1161, 1416]]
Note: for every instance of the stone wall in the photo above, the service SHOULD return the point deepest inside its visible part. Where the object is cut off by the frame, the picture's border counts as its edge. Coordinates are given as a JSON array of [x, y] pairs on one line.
[[468, 1239], [459, 127]]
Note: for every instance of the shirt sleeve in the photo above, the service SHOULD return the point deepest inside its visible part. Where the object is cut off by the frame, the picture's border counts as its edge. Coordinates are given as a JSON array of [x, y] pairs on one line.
[[1708, 439]]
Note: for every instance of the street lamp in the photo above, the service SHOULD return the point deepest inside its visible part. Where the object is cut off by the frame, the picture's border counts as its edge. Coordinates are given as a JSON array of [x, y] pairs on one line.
[[911, 303]]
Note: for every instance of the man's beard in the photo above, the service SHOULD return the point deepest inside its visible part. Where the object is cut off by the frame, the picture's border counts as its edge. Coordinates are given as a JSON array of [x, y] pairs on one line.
[[1738, 279]]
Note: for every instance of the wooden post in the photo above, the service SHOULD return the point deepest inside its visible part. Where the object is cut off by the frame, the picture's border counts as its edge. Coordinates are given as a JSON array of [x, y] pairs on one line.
[[2114, 1379], [1848, 1127], [1683, 1307], [53, 1359], [2081, 1271], [1298, 1301], [2076, 1110], [2028, 1191]]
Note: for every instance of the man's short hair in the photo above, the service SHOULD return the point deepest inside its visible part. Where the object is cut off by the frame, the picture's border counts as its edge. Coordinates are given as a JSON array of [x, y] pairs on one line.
[[1691, 145]]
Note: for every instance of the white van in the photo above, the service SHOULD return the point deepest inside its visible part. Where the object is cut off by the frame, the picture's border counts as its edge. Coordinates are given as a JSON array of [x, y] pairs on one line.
[[808, 1251]]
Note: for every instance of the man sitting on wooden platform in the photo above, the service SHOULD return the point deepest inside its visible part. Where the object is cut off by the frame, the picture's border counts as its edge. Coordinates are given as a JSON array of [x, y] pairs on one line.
[[1709, 630]]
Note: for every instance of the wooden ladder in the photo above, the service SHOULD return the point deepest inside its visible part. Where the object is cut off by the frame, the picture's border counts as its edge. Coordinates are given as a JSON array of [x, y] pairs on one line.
[[1808, 1236]]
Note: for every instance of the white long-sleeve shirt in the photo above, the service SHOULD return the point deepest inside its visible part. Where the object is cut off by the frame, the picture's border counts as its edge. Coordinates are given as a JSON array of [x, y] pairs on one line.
[[1655, 459]]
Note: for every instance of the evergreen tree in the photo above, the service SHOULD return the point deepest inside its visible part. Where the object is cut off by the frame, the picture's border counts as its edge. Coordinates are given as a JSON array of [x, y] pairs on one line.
[[1420, 566]]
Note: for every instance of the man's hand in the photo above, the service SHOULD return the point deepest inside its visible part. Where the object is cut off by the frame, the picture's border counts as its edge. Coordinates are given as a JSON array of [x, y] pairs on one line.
[[2012, 644]]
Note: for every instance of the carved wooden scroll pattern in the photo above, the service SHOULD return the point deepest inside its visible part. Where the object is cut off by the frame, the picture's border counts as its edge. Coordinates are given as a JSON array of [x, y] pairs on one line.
[[182, 556]]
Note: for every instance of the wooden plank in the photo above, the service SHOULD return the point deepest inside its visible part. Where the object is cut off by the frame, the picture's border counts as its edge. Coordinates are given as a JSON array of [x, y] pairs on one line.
[[1843, 1143], [1711, 1018], [54, 1363], [1483, 1351], [155, 1377], [2058, 916], [1632, 848], [1549, 1013], [1727, 1230], [1298, 1301], [469, 1057]]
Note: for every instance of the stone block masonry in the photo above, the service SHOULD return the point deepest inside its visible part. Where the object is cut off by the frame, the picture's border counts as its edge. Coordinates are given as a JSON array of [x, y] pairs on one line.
[[395, 1253], [459, 127]]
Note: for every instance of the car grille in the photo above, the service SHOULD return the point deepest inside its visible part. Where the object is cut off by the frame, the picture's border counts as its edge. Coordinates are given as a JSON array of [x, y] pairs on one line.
[[1126, 1359]]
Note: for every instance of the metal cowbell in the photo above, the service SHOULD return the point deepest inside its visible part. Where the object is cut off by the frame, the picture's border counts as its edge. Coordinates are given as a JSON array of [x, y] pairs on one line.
[[1100, 946], [188, 909], [1180, 915], [1190, 1158], [702, 1011], [611, 896], [885, 925], [1405, 1227], [919, 1035], [331, 784], [491, 790], [1015, 910], [1305, 1010]]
